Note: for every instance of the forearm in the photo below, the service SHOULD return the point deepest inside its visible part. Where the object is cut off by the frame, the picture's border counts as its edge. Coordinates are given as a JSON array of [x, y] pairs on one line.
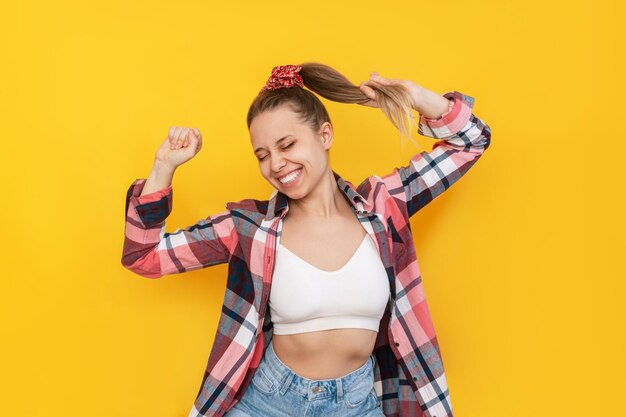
[[160, 177], [428, 103], [462, 139]]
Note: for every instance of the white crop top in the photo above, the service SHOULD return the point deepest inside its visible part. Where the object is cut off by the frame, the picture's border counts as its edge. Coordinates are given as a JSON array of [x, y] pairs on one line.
[[304, 298]]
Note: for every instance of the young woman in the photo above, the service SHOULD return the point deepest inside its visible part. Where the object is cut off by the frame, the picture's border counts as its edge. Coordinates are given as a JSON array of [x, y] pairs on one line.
[[324, 312]]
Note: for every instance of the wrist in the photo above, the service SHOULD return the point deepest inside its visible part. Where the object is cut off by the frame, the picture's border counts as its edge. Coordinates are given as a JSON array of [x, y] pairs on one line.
[[160, 178], [432, 105], [417, 93], [162, 168], [161, 174]]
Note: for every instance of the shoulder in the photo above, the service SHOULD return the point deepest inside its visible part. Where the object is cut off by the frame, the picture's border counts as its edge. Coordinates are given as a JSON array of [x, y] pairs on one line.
[[372, 179], [248, 211], [249, 205], [370, 187], [374, 192], [247, 218]]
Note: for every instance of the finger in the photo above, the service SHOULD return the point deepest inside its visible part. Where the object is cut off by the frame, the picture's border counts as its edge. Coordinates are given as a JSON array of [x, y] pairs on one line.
[[174, 139], [368, 91], [381, 80], [177, 131], [171, 135], [374, 83], [371, 83], [181, 137], [368, 82], [191, 137], [199, 138], [375, 76], [186, 137]]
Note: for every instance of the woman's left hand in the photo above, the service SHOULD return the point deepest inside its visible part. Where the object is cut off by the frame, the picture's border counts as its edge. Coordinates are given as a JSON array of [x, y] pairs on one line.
[[376, 81]]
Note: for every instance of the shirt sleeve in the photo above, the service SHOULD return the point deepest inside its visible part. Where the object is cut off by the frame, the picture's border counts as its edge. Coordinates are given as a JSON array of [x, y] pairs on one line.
[[152, 252], [463, 139]]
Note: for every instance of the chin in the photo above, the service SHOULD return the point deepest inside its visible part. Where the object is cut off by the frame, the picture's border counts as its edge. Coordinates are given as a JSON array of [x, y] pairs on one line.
[[293, 194]]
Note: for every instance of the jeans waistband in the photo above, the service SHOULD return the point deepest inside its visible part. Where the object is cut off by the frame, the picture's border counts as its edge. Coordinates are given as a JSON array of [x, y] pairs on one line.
[[314, 388]]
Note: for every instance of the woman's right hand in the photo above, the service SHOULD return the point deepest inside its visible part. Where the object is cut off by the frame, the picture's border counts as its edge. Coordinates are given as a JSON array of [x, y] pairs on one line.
[[181, 144]]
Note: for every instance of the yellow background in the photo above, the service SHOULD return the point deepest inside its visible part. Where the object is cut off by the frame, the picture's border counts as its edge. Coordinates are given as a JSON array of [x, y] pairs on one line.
[[522, 259]]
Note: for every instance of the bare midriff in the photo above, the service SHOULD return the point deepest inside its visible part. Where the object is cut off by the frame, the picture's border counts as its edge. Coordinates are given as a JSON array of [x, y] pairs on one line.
[[325, 354]]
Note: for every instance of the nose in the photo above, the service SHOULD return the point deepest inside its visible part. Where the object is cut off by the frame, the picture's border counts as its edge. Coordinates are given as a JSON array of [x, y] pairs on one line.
[[277, 163]]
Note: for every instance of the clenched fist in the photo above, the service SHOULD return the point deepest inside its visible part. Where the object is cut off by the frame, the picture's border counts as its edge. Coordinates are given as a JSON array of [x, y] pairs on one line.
[[181, 144]]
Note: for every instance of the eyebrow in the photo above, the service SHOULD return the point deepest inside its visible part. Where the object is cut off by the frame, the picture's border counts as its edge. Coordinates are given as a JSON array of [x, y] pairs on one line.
[[276, 143]]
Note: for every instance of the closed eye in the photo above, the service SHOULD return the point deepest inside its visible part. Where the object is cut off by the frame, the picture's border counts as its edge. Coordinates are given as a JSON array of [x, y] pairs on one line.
[[284, 147]]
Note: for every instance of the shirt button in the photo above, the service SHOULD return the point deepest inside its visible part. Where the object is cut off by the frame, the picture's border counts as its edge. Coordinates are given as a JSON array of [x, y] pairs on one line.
[[414, 378], [397, 344]]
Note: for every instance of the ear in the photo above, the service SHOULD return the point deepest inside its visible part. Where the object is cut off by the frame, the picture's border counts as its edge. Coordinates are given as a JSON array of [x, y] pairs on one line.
[[326, 135]]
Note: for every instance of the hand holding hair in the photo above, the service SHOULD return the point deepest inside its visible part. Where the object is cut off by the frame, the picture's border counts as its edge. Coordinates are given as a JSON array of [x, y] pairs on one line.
[[427, 103], [377, 81]]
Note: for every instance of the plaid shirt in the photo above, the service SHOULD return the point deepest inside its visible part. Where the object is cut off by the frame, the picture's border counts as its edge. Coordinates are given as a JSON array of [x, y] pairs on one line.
[[409, 374]]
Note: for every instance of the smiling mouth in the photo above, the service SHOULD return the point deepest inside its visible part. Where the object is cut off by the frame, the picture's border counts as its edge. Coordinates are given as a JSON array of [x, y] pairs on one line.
[[291, 177]]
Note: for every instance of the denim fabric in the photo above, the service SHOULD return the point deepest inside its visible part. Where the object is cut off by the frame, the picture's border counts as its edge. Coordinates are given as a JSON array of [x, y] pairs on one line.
[[277, 391]]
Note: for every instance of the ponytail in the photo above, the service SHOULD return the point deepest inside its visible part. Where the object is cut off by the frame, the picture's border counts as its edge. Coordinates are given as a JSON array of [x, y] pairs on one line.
[[394, 100]]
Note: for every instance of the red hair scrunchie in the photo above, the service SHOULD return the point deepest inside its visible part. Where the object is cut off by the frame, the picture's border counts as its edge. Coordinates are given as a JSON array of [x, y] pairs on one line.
[[284, 76]]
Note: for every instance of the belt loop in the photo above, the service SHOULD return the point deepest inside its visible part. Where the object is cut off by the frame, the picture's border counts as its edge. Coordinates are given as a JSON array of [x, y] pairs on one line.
[[339, 390], [286, 382]]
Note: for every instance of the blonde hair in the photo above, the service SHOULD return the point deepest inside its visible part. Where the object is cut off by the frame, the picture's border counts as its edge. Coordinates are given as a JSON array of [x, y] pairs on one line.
[[395, 100]]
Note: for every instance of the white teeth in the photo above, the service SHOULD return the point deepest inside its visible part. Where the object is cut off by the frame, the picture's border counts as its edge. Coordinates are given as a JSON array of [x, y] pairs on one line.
[[288, 178]]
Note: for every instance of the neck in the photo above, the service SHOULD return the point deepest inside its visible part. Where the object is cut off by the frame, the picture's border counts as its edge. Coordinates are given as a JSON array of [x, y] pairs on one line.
[[324, 201]]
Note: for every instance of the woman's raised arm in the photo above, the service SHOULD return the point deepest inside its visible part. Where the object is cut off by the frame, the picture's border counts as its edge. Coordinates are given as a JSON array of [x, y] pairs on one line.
[[148, 249], [464, 139]]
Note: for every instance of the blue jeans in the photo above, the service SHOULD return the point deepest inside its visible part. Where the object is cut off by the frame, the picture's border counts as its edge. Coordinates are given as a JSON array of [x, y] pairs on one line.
[[277, 391]]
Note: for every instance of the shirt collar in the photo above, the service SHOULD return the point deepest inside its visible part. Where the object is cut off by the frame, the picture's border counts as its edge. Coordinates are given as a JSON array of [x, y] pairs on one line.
[[279, 201]]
